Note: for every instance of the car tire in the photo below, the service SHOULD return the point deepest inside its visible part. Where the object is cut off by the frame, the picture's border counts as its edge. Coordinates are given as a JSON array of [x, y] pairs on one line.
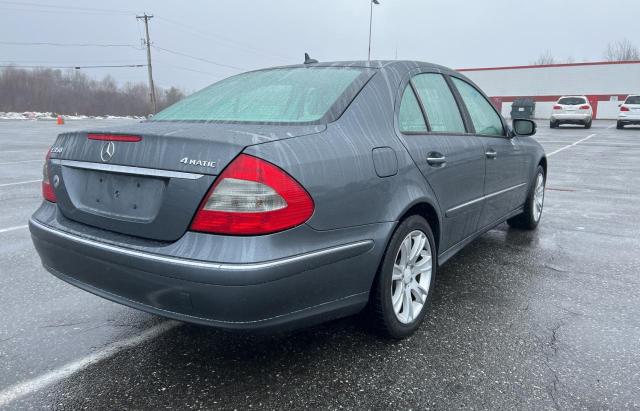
[[588, 124], [553, 124], [532, 214], [395, 317], [620, 125]]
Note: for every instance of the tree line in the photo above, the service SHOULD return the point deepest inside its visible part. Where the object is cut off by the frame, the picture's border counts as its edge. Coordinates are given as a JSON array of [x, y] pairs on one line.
[[73, 92], [622, 50]]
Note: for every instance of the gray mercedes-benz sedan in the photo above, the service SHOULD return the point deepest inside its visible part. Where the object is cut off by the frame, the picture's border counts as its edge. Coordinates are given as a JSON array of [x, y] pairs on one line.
[[285, 197]]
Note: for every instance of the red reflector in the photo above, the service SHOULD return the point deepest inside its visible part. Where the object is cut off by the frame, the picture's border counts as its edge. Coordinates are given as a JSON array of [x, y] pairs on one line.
[[624, 108], [585, 107], [114, 137], [47, 190], [557, 107], [253, 197]]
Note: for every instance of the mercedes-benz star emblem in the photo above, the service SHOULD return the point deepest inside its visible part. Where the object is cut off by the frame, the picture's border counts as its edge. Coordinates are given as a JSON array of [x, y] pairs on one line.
[[107, 151]]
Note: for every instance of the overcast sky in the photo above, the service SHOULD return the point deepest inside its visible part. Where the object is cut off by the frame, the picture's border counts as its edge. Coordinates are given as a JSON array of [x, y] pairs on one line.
[[248, 34]]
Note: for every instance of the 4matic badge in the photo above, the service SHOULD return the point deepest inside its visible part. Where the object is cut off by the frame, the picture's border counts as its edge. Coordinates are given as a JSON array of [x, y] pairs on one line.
[[201, 163]]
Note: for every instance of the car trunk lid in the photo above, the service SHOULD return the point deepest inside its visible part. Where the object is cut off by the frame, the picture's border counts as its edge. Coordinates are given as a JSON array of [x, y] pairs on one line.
[[149, 188]]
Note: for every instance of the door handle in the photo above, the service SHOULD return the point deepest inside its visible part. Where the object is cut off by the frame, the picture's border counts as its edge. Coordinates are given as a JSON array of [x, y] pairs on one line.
[[491, 153], [436, 159]]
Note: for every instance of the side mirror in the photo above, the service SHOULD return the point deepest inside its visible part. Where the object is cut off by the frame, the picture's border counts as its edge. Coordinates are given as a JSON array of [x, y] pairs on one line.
[[523, 127]]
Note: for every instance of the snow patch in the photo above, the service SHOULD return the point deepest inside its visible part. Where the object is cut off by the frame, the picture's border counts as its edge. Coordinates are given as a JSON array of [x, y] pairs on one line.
[[34, 115]]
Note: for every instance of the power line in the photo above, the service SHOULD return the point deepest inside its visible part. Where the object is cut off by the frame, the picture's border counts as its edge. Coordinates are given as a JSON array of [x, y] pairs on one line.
[[21, 43], [65, 12], [222, 39], [215, 63], [66, 8], [190, 69]]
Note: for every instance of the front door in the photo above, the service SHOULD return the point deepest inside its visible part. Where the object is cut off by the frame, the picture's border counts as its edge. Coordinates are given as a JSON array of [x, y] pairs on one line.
[[505, 185]]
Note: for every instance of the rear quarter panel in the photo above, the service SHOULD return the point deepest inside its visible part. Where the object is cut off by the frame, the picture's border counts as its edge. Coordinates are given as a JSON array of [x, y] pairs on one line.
[[337, 168]]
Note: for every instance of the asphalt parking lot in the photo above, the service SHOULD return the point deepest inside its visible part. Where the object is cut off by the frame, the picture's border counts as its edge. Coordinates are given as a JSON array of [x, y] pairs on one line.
[[544, 319]]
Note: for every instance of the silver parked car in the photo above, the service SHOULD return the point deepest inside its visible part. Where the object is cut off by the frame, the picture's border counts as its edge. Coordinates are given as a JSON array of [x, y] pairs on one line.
[[289, 196]]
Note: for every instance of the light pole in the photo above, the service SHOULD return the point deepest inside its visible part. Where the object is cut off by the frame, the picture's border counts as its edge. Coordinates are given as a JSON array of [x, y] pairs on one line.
[[370, 25]]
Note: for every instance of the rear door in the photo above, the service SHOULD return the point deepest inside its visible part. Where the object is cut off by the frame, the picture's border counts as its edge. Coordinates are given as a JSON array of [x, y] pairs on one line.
[[505, 184], [451, 159]]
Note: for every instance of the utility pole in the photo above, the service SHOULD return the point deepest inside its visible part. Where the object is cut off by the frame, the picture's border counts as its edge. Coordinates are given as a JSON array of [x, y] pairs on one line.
[[146, 17]]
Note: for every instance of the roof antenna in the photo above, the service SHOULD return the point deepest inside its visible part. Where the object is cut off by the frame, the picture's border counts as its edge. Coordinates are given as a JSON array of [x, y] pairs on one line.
[[309, 60]]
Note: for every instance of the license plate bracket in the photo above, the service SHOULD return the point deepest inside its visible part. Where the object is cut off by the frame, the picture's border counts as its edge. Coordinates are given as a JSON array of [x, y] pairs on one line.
[[115, 195]]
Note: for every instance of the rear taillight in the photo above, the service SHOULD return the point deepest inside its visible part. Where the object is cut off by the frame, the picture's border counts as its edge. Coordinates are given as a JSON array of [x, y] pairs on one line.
[[114, 137], [47, 189], [624, 108], [557, 107], [253, 197], [585, 107]]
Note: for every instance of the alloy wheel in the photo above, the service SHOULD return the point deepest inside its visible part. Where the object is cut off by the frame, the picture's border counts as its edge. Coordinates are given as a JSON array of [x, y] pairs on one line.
[[538, 197], [411, 276]]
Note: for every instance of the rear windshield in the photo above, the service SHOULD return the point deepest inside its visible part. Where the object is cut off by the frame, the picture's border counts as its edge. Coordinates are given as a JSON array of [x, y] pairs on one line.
[[288, 95], [572, 101], [633, 100]]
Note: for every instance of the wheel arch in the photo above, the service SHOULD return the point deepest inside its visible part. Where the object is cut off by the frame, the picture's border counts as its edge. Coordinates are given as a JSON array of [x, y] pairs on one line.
[[543, 163], [429, 212]]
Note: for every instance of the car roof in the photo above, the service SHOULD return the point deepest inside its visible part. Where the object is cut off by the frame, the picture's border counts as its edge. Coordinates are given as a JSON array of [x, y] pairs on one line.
[[375, 64]]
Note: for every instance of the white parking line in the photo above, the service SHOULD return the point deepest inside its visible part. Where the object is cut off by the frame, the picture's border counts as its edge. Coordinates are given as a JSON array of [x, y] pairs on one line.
[[18, 227], [20, 182], [571, 145], [23, 161], [35, 384]]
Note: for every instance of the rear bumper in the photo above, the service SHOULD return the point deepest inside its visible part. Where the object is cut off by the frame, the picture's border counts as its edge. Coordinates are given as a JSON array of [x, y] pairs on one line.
[[629, 118], [287, 292], [571, 118]]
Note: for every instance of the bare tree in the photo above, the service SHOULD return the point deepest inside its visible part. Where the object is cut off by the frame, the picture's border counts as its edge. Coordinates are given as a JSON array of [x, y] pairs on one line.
[[73, 92], [544, 59], [622, 50], [171, 96]]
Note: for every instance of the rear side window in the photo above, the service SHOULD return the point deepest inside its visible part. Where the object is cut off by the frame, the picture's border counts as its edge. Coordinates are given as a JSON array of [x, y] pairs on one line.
[[439, 103], [572, 101], [485, 119], [288, 95], [410, 118], [633, 100]]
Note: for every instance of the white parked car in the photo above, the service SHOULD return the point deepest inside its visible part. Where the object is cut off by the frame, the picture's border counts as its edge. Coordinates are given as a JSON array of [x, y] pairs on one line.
[[629, 111], [572, 110]]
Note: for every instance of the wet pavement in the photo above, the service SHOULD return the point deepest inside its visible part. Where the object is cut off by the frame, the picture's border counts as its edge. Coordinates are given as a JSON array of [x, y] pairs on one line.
[[545, 319]]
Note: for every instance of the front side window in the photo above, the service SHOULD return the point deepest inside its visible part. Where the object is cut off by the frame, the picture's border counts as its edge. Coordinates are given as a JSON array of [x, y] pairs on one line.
[[485, 119], [439, 103], [410, 118], [290, 95]]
